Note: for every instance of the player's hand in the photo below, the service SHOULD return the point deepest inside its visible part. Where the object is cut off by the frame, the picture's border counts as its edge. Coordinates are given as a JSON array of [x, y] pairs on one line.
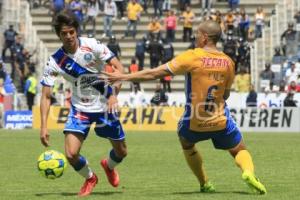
[[44, 137], [112, 104], [113, 77]]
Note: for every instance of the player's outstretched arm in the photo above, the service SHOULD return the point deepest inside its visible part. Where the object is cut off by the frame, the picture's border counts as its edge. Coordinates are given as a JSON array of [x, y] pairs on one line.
[[44, 110], [144, 75], [118, 65]]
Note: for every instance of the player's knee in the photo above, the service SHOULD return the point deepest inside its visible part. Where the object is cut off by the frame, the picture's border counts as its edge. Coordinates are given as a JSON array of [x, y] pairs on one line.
[[71, 156], [185, 145]]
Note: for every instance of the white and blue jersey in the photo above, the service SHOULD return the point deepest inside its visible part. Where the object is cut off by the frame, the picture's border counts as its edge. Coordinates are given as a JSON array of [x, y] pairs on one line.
[[89, 93], [81, 70]]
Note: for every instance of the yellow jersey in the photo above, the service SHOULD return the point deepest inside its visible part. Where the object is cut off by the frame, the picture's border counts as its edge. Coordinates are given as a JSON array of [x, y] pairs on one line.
[[208, 74], [154, 27], [188, 18], [133, 11]]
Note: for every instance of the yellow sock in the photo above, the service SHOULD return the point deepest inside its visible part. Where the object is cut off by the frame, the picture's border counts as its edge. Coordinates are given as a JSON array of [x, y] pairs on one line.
[[194, 161], [244, 161]]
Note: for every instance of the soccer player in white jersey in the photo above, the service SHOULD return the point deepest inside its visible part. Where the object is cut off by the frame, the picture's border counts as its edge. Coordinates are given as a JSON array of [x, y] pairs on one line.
[[79, 61]]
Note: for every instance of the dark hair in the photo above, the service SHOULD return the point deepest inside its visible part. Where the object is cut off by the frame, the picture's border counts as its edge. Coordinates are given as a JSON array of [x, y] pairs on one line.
[[64, 18]]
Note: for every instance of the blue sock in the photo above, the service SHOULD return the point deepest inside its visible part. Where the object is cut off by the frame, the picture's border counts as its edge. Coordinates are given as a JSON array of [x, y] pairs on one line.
[[80, 164], [114, 157]]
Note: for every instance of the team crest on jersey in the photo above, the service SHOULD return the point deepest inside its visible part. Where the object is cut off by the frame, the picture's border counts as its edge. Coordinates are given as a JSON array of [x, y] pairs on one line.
[[88, 57]]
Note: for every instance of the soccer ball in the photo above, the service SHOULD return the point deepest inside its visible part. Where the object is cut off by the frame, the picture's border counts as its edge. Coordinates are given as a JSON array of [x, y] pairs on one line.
[[51, 164]]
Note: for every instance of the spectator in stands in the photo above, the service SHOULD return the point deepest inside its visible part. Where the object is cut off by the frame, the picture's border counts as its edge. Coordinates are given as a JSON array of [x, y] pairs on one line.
[[2, 71], [114, 46], [57, 6], [120, 8], [259, 21], [18, 64], [282, 87], [160, 97], [158, 6], [182, 4], [236, 22], [30, 90], [278, 58], [155, 50], [267, 74], [168, 54], [166, 5], [271, 88], [243, 57], [289, 100], [230, 47], [2, 94], [233, 4], [9, 37], [133, 68], [110, 12], [144, 4], [154, 27], [76, 7], [297, 17], [290, 45], [292, 74], [206, 6], [242, 81], [216, 15], [251, 100], [244, 24], [140, 49], [188, 18], [134, 11], [293, 87], [229, 20], [91, 15], [137, 98], [170, 25]]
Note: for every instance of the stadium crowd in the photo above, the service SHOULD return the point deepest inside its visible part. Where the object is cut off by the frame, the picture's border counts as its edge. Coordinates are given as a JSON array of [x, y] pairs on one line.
[[281, 74]]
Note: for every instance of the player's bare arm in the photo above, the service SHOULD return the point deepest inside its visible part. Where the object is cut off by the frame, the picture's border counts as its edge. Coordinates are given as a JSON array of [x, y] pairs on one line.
[[118, 65], [44, 109], [144, 75]]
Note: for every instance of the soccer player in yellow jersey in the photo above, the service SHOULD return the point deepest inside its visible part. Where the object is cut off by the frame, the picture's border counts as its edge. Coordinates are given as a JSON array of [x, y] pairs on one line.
[[209, 75]]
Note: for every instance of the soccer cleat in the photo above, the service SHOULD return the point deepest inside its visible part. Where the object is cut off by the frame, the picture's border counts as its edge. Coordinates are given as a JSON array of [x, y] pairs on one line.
[[253, 182], [208, 187], [112, 175], [88, 186]]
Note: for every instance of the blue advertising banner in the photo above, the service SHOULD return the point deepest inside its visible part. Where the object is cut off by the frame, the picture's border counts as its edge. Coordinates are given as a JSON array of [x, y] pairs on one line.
[[18, 119]]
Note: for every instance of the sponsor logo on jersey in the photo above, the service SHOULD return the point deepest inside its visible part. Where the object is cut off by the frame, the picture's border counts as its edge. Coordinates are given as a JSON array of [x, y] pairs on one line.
[[88, 57]]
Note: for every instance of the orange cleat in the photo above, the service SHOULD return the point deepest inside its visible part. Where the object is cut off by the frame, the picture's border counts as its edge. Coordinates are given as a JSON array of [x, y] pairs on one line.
[[112, 175], [88, 186]]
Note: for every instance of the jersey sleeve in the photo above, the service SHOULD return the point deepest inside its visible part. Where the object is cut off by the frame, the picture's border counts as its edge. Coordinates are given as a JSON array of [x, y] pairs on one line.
[[230, 75], [182, 63], [50, 73], [102, 51]]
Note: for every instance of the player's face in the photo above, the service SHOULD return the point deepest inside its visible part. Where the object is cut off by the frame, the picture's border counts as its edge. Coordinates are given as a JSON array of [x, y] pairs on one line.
[[68, 36]]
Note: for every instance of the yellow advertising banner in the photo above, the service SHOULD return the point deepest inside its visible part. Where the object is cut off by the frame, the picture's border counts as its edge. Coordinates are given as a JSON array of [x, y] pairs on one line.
[[145, 119]]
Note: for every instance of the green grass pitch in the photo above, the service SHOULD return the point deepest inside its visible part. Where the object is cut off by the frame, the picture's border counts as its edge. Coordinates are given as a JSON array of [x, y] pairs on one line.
[[154, 169]]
